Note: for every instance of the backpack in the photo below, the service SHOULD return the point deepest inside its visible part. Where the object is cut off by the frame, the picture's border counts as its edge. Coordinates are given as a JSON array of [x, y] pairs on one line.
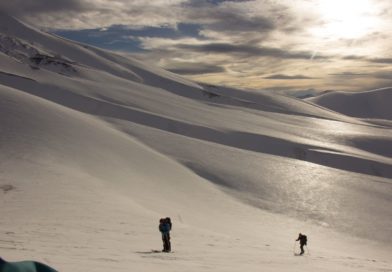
[[168, 220]]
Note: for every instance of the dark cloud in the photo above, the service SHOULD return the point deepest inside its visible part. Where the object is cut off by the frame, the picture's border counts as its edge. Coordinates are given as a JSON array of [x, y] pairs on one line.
[[367, 59], [217, 2], [29, 7], [349, 74], [237, 22], [216, 17], [210, 3], [195, 68], [383, 75], [381, 60], [248, 51], [355, 57], [287, 77]]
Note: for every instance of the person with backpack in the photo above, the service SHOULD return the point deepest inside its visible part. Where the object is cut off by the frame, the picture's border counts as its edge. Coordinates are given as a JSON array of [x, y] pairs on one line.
[[303, 240], [165, 227]]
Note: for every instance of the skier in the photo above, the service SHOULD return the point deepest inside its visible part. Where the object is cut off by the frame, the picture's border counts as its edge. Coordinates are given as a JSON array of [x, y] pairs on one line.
[[302, 241], [164, 228]]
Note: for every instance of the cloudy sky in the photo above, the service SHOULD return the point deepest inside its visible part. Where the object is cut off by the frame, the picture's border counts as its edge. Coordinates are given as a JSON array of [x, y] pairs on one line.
[[255, 44]]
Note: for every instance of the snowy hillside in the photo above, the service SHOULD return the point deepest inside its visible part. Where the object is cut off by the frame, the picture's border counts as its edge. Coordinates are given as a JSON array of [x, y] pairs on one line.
[[374, 104], [95, 147]]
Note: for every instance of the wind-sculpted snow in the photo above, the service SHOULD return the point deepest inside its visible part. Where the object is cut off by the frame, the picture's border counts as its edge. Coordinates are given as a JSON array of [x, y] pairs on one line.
[[92, 156], [371, 104]]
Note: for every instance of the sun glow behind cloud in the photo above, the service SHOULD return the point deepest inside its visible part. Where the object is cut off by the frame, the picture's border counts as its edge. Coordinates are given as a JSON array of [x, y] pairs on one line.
[[257, 44], [346, 19]]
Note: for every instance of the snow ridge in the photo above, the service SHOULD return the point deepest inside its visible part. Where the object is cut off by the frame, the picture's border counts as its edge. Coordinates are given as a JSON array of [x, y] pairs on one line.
[[374, 104]]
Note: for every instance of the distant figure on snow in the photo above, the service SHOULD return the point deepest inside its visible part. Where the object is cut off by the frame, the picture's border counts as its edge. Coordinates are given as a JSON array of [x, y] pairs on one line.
[[165, 226], [303, 240]]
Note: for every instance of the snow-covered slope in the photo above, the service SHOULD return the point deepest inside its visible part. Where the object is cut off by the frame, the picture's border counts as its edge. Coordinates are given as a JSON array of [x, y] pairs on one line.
[[96, 147], [371, 104]]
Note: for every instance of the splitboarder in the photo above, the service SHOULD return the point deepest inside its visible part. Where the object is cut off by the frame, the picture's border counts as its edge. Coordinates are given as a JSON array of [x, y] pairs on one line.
[[303, 240], [165, 228]]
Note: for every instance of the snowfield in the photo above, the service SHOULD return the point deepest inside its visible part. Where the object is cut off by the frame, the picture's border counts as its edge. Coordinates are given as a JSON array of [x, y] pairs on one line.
[[375, 104], [96, 147]]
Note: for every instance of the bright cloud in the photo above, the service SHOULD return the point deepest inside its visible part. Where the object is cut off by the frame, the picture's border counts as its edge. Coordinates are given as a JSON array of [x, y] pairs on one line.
[[280, 44]]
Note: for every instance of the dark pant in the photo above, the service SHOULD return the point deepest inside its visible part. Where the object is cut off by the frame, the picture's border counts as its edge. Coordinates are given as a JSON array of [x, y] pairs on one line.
[[166, 242], [302, 249]]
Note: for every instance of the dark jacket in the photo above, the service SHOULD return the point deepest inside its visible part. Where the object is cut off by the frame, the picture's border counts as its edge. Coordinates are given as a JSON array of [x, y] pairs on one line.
[[302, 239], [164, 227]]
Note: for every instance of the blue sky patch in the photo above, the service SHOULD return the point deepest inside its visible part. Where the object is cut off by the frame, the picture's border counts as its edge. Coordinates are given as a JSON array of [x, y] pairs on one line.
[[123, 38]]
